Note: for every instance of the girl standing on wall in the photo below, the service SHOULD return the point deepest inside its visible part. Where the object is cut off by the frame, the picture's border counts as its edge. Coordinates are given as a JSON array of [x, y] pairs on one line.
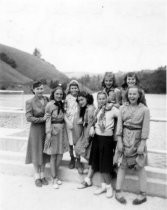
[[35, 114], [132, 131], [86, 113], [130, 80], [56, 143], [71, 118], [109, 86]]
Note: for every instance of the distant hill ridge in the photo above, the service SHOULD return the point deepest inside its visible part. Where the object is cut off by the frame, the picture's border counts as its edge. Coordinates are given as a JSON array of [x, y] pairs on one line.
[[29, 68]]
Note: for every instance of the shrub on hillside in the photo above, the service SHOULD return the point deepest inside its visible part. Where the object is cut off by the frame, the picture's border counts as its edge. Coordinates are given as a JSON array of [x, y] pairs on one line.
[[37, 53], [4, 57]]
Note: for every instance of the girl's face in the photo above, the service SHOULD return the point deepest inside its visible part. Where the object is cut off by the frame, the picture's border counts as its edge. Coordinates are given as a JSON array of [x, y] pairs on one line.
[[108, 82], [133, 95], [101, 100], [82, 101], [58, 95], [111, 96], [131, 81], [38, 91], [74, 90]]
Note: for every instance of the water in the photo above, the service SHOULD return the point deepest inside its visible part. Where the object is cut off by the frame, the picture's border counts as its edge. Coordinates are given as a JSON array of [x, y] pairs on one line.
[[156, 103]]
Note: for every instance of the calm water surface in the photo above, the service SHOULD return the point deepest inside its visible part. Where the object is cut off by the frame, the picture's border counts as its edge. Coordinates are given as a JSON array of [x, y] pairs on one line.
[[156, 104]]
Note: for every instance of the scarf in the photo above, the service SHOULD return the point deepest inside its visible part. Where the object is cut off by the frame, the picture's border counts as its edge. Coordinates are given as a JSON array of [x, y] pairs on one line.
[[60, 106], [102, 117]]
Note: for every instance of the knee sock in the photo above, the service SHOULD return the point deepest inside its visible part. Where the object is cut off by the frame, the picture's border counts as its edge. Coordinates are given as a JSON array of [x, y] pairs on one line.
[[71, 151]]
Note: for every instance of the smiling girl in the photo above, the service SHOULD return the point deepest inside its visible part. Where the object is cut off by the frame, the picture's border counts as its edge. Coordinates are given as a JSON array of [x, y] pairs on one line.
[[56, 135], [35, 114], [110, 87], [130, 80], [86, 113], [132, 132], [101, 158], [71, 118]]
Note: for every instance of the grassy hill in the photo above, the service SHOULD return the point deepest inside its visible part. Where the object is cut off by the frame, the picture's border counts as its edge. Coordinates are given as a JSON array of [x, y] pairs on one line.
[[28, 68], [10, 75]]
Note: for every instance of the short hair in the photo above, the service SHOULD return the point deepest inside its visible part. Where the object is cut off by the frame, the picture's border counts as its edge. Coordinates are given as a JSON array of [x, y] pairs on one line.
[[54, 90], [102, 92], [140, 99], [130, 74], [109, 74], [86, 95], [36, 84], [72, 83]]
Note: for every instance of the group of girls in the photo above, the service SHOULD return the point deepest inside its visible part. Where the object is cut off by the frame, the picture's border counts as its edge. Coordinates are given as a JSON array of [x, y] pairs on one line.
[[112, 133]]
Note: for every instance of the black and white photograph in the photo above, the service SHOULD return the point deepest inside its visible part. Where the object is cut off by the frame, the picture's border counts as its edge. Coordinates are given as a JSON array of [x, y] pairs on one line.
[[83, 116]]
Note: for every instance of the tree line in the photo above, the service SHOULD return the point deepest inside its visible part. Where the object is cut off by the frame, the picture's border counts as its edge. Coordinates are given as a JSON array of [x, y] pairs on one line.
[[152, 81]]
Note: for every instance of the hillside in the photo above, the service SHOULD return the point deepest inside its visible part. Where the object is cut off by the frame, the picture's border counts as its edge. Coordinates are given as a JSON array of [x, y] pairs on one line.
[[10, 75], [29, 67]]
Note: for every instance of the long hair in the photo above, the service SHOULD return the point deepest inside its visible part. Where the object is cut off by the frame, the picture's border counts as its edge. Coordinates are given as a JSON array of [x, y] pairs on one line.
[[89, 99], [141, 95], [130, 74], [59, 104], [54, 90], [109, 74]]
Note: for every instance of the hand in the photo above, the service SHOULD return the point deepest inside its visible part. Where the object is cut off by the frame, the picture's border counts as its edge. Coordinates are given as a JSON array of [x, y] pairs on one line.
[[46, 116], [120, 146], [69, 124], [47, 139], [68, 115], [92, 131], [141, 147]]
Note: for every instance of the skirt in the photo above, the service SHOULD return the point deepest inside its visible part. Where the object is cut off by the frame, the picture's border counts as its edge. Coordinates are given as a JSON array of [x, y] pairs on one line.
[[83, 145], [101, 155], [35, 145], [59, 141]]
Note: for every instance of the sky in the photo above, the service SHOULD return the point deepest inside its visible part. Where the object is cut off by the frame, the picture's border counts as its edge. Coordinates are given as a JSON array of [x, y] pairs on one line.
[[91, 36]]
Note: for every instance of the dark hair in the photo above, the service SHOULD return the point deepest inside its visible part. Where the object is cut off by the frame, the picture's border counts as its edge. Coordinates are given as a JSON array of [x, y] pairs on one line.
[[89, 99], [36, 84], [54, 90], [130, 74], [141, 95], [114, 85]]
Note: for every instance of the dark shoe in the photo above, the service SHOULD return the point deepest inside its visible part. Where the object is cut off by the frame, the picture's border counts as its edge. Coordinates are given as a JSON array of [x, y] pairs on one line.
[[72, 163], [114, 174], [44, 181], [38, 182], [141, 200], [120, 199]]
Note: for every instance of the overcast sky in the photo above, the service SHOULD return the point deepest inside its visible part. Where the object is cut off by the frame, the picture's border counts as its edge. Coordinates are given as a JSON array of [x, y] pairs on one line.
[[88, 35]]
